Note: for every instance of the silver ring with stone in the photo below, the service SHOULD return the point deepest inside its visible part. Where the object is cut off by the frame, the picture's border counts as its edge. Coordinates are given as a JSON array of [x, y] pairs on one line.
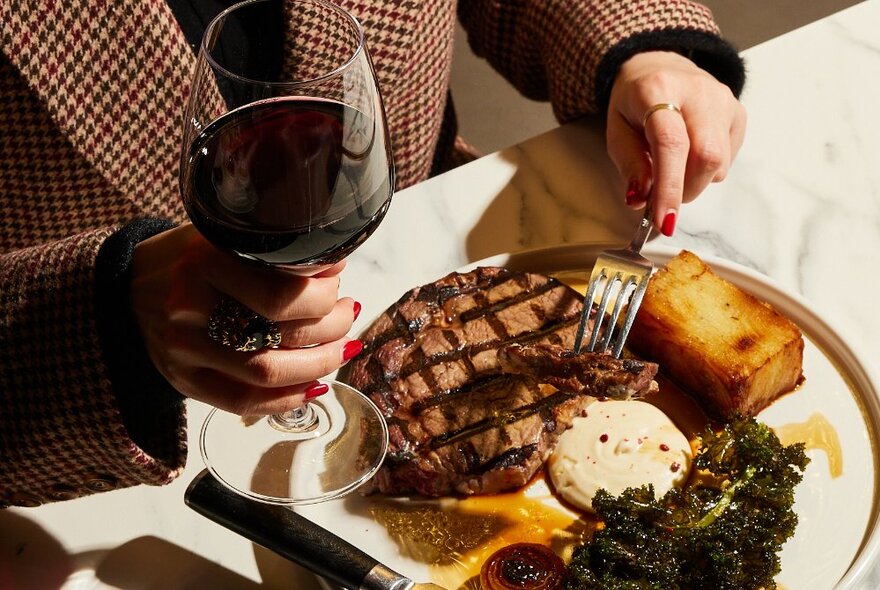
[[241, 328]]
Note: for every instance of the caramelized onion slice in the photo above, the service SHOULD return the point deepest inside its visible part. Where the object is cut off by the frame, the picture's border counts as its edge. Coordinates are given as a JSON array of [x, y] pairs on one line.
[[523, 566]]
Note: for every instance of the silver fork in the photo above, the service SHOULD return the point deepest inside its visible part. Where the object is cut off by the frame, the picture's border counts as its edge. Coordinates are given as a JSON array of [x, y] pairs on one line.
[[621, 276]]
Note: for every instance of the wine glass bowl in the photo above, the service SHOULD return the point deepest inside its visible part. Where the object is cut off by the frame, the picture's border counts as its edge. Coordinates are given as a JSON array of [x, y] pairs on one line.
[[286, 163], [286, 157]]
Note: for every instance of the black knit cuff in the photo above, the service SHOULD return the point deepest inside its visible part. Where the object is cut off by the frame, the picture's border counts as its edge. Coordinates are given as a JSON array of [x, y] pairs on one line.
[[151, 409], [710, 52]]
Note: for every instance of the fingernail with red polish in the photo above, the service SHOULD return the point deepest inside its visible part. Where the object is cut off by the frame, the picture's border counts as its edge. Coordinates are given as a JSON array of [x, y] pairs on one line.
[[316, 389], [668, 227], [632, 192], [352, 349], [356, 308]]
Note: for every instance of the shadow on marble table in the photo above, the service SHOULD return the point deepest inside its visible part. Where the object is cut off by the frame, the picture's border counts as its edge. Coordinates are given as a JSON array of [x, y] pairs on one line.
[[32, 559], [564, 190]]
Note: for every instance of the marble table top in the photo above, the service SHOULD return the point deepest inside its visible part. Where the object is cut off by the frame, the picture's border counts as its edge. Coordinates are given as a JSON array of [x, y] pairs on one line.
[[801, 205]]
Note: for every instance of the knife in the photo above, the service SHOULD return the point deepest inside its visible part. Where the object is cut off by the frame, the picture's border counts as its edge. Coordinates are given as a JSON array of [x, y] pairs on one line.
[[294, 537]]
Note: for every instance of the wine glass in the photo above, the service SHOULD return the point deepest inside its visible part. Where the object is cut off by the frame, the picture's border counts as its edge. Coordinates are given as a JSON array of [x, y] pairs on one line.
[[286, 162]]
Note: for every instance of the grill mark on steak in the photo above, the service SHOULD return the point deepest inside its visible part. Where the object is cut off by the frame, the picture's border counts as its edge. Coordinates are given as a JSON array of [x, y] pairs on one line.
[[436, 297], [514, 415], [483, 308], [466, 352], [456, 345], [511, 458], [418, 357], [472, 386], [373, 368], [493, 309], [403, 444]]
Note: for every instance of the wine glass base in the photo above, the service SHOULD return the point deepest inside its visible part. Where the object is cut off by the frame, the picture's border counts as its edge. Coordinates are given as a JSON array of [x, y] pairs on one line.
[[315, 423], [261, 458]]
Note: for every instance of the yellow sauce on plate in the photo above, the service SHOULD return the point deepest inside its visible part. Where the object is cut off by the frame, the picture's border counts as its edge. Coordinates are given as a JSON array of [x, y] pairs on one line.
[[816, 433], [454, 537]]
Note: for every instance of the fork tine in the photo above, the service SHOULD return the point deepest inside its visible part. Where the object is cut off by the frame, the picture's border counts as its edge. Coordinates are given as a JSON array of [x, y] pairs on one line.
[[599, 320], [622, 298], [630, 317], [585, 313], [627, 262]]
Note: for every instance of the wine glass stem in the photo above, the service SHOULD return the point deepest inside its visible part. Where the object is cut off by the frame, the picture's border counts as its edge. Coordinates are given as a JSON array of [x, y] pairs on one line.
[[301, 419]]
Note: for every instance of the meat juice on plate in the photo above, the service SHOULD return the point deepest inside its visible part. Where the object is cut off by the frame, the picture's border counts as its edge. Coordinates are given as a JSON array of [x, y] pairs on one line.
[[455, 537], [289, 181]]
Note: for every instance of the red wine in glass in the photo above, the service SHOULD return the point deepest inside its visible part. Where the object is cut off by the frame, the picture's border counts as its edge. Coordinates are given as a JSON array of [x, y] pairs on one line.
[[279, 181]]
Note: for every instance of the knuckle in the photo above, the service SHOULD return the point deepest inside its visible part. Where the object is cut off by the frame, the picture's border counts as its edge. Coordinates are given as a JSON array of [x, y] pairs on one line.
[[303, 309], [654, 83], [179, 375], [329, 363], [669, 192], [316, 301], [280, 311], [271, 306], [328, 291], [262, 370], [708, 155], [325, 306], [724, 92], [671, 141], [298, 335]]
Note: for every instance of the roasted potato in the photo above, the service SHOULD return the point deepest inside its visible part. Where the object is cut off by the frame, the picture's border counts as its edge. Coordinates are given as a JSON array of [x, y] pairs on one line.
[[729, 350]]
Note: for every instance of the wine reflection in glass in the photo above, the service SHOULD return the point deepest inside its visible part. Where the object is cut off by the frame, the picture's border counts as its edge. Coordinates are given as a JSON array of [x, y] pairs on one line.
[[286, 162]]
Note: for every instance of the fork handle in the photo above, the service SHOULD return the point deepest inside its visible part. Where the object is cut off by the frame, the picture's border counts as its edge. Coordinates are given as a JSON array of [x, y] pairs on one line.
[[643, 232]]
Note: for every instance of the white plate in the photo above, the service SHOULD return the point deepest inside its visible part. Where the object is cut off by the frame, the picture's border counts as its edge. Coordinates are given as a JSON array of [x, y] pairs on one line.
[[836, 540]]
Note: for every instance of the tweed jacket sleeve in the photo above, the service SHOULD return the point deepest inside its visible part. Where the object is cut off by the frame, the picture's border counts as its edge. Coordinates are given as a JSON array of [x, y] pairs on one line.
[[62, 433], [85, 148], [569, 51]]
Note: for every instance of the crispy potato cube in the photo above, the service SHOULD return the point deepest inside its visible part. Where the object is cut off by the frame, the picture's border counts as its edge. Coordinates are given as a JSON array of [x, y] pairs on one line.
[[726, 348]]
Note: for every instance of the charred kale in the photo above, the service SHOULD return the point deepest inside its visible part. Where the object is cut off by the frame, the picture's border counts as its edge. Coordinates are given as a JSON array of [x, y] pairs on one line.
[[723, 532]]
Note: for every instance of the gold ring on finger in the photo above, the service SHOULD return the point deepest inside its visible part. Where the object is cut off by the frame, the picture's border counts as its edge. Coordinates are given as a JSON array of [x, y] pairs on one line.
[[660, 106]]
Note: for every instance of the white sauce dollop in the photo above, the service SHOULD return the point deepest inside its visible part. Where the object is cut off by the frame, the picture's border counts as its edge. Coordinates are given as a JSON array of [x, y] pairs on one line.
[[618, 445]]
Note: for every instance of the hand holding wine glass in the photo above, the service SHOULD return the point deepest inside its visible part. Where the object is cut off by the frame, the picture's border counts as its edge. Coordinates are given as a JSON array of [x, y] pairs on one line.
[[177, 279], [286, 165]]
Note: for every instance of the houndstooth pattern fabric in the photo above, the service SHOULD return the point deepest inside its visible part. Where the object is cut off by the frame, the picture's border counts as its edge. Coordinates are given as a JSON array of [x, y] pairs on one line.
[[552, 49], [61, 434], [91, 97], [410, 42], [109, 79]]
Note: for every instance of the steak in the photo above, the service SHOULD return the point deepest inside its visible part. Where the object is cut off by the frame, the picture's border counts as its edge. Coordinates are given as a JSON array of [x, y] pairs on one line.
[[599, 375], [464, 418]]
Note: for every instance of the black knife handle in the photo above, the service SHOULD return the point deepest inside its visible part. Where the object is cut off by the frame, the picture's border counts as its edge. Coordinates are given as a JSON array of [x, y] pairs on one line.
[[281, 530]]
